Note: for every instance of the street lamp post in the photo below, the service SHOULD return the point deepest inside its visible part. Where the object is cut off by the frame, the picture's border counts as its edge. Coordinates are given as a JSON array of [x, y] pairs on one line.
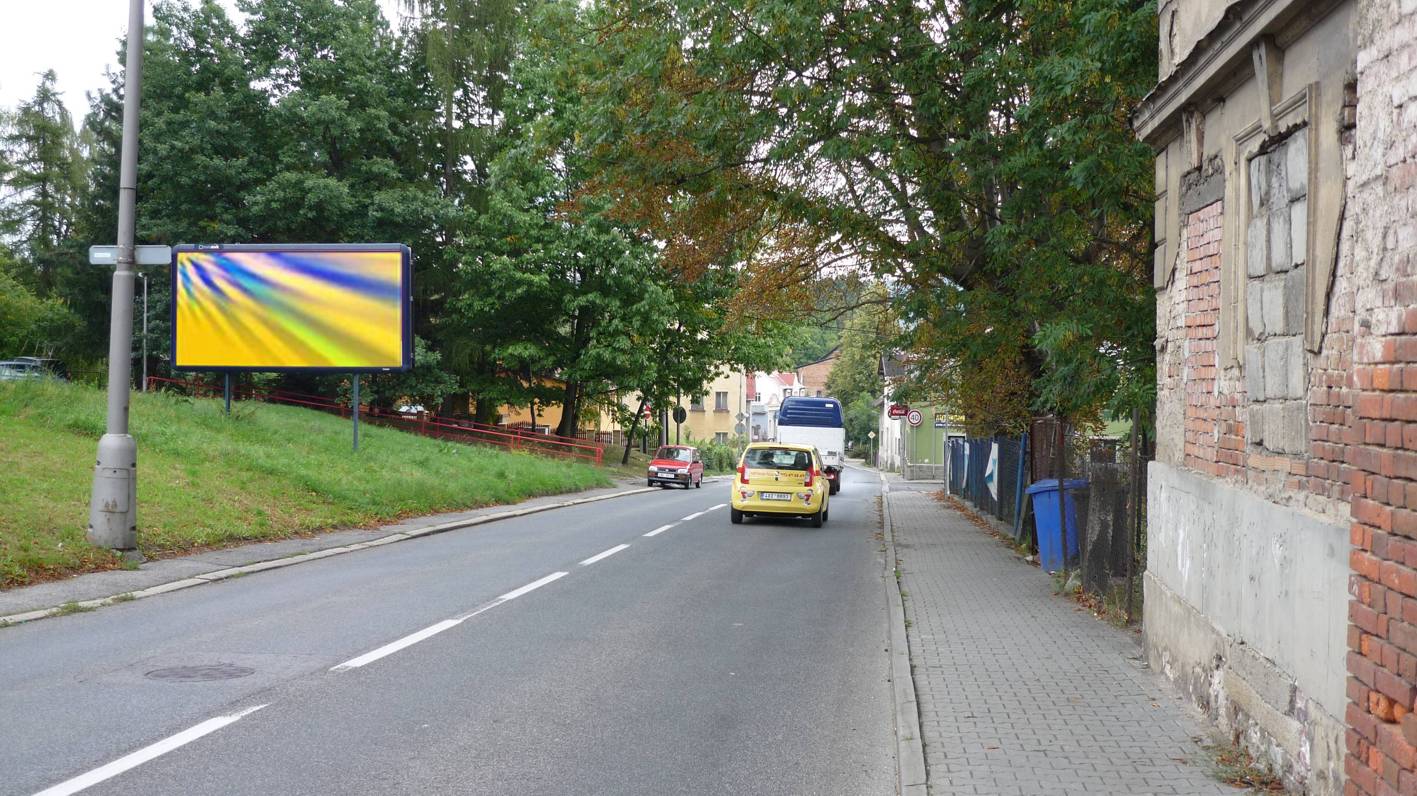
[[113, 509]]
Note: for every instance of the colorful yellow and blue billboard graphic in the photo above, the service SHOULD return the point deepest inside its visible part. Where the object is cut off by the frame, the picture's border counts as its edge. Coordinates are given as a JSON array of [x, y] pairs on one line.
[[291, 308]]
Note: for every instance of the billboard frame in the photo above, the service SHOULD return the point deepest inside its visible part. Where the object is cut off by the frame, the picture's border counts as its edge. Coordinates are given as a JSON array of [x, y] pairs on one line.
[[405, 301]]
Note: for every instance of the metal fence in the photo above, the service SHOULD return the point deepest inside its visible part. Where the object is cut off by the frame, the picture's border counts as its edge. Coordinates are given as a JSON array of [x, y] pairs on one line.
[[989, 472], [994, 473], [423, 423]]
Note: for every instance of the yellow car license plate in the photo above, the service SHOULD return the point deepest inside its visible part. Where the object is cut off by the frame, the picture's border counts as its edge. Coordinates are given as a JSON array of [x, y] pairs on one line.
[[776, 496]]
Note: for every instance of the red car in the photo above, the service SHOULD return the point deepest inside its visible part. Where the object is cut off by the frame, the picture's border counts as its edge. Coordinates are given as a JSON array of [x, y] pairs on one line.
[[677, 464]]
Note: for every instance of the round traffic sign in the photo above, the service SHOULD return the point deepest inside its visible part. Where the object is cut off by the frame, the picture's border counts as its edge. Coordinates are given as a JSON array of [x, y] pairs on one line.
[[914, 418]]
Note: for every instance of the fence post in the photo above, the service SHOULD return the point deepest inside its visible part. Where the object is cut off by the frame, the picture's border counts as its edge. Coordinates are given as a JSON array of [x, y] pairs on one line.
[[1019, 485], [1062, 457], [1136, 511]]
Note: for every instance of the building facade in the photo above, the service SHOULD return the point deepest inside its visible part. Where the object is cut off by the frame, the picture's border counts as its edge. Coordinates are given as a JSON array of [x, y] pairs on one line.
[[719, 414], [1279, 594], [812, 377]]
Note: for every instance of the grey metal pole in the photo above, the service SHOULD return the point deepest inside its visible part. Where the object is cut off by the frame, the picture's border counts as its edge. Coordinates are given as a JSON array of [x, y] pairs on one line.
[[355, 412], [113, 508], [145, 331]]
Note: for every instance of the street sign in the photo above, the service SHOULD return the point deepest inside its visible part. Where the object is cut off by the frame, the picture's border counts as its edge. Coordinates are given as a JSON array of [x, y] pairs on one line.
[[142, 255], [739, 429], [871, 434], [680, 415], [914, 418], [899, 410]]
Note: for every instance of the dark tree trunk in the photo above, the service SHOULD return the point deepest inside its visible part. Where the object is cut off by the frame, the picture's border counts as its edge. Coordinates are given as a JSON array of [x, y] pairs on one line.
[[630, 437], [570, 408]]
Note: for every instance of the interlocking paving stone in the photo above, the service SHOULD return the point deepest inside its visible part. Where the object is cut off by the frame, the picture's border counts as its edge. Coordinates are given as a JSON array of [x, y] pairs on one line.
[[1021, 692]]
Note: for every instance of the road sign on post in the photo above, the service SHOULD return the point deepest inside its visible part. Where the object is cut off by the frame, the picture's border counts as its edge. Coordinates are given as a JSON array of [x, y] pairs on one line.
[[914, 418], [142, 255]]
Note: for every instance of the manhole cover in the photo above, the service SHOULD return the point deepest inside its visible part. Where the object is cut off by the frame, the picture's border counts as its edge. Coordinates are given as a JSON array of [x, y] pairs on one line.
[[198, 674]]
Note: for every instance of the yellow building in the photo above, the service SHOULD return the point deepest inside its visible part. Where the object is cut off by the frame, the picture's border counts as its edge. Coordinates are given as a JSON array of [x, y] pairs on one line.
[[720, 413]]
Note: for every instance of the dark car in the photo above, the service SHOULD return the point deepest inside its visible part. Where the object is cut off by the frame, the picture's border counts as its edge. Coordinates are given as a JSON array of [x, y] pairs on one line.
[[677, 464]]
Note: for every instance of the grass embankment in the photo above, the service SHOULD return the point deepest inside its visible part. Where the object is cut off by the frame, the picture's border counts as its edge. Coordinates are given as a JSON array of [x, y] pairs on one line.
[[205, 479]]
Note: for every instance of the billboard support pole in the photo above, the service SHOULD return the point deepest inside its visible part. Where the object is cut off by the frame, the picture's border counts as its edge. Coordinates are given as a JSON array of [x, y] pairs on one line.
[[113, 507], [144, 277], [355, 412], [226, 391]]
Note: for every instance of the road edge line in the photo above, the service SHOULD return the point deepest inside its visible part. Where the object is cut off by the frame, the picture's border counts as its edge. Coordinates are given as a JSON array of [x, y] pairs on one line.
[[217, 576], [910, 747]]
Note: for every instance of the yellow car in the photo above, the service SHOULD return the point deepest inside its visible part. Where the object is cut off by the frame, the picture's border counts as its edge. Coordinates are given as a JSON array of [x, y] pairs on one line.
[[782, 480]]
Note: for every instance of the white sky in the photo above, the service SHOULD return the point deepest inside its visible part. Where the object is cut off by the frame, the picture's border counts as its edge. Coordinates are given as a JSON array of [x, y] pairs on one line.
[[75, 38]]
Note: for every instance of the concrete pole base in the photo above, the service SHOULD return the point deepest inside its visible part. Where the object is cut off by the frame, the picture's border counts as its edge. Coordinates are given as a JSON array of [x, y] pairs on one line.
[[113, 511]]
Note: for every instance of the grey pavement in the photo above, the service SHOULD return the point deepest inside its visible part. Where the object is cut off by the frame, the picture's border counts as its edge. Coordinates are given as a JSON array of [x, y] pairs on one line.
[[707, 658], [1020, 692]]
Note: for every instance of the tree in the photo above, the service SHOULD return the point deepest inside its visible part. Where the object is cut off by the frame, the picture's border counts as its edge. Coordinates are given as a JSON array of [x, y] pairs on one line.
[[561, 288], [855, 379], [469, 46], [977, 154], [29, 324], [42, 182], [308, 124]]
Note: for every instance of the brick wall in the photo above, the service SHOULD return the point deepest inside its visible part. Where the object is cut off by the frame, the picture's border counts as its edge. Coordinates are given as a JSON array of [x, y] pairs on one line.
[[1219, 414], [814, 376], [1214, 437], [1381, 247]]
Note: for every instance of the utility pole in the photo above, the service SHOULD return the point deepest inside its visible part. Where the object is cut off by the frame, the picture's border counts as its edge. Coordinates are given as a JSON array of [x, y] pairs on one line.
[[113, 509]]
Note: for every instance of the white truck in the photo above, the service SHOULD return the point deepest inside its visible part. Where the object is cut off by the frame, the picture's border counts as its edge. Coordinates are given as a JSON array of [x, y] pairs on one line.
[[816, 422]]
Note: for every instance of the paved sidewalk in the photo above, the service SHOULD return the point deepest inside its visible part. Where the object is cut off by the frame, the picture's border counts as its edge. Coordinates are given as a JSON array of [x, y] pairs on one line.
[[1019, 692]]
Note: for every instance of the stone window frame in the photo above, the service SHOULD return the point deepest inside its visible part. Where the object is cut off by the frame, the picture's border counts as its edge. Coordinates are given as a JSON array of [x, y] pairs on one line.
[[1290, 116]]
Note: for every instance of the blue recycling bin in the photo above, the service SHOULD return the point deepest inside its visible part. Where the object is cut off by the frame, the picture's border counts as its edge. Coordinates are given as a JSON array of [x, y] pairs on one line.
[[1044, 495]]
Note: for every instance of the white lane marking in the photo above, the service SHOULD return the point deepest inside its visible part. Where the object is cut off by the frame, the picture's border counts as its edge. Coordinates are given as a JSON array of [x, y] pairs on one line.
[[608, 553], [435, 629], [145, 754], [715, 508], [486, 607], [694, 516], [534, 585], [661, 529], [395, 646]]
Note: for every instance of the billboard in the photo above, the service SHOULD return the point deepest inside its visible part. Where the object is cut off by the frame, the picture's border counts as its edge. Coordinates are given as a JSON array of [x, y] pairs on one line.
[[306, 307]]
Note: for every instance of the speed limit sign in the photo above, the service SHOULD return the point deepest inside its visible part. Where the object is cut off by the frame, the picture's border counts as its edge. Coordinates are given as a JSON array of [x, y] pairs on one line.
[[914, 418]]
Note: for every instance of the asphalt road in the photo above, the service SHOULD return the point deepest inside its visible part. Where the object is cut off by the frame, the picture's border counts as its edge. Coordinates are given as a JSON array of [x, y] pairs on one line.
[[533, 655]]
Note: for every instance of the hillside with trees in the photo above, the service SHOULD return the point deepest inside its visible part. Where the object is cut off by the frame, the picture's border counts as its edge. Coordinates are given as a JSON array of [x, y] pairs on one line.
[[621, 198]]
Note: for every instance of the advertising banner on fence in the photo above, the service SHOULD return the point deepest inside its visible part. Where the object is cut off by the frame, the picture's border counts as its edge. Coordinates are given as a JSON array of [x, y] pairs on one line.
[[991, 471], [311, 307]]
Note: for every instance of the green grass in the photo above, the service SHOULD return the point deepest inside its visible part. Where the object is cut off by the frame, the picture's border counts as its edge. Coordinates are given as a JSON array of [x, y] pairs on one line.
[[205, 479]]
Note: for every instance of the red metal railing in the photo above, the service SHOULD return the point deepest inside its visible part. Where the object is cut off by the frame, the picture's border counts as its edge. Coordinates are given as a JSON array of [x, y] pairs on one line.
[[423, 423]]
